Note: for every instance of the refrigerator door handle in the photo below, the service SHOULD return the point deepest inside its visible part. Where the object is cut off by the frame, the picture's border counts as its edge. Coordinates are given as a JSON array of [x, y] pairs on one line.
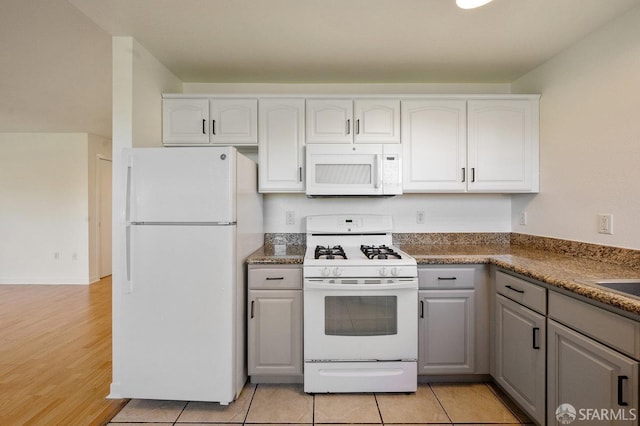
[[126, 213], [129, 284]]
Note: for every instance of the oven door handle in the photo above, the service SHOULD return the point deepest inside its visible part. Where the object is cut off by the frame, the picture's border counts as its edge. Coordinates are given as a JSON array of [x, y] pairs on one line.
[[405, 285]]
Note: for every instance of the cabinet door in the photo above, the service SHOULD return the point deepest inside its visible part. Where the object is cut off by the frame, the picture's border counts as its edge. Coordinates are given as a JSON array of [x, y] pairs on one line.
[[434, 145], [281, 129], [185, 121], [234, 121], [275, 332], [503, 146], [587, 374], [377, 121], [329, 121], [446, 332], [520, 355]]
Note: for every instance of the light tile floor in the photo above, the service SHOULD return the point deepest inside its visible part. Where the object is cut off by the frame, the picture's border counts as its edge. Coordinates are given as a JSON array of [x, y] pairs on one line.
[[264, 404]]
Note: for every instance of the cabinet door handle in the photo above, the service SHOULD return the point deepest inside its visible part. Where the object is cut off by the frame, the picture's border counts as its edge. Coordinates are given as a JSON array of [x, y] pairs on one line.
[[422, 309], [464, 174], [213, 127], [349, 126], [274, 278], [358, 126], [299, 174], [536, 330], [204, 123], [621, 401], [447, 278], [252, 303], [517, 290], [473, 174]]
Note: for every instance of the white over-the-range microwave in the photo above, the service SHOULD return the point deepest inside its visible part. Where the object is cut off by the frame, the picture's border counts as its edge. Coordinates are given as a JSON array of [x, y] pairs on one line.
[[353, 169]]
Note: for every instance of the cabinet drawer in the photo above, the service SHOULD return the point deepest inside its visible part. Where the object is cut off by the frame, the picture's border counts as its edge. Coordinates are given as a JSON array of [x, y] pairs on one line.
[[446, 278], [275, 278], [614, 330], [526, 293]]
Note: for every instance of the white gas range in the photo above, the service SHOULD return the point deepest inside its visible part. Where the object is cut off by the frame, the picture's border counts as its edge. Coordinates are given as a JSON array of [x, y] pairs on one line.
[[360, 307]]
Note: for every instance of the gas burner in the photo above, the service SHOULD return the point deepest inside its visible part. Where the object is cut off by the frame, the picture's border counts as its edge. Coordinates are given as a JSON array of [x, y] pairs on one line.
[[379, 252], [328, 252]]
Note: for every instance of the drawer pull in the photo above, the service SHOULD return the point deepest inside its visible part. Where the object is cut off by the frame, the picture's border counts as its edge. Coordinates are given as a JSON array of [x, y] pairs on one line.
[[517, 290], [447, 278], [621, 401], [536, 330], [275, 278]]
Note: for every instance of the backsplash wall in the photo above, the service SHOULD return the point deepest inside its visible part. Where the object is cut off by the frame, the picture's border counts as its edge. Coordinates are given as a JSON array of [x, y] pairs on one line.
[[442, 212]]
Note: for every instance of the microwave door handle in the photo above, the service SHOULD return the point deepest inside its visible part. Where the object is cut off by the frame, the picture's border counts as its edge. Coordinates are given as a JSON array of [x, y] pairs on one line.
[[378, 176]]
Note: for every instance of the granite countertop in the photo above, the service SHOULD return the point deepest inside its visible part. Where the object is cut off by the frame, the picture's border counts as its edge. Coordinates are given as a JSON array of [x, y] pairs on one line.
[[555, 270]]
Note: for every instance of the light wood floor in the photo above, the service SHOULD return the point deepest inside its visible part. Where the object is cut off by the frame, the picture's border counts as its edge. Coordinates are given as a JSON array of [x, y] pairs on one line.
[[55, 354]]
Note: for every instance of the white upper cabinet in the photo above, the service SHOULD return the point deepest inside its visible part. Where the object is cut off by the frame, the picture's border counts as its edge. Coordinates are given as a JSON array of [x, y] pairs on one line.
[[280, 150], [234, 121], [329, 121], [347, 121], [377, 121], [434, 145], [459, 145], [209, 121], [185, 121], [503, 145]]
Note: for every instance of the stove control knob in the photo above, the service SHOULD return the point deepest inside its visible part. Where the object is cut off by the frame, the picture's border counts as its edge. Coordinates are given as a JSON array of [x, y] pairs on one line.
[[326, 272], [384, 272], [395, 272], [337, 272]]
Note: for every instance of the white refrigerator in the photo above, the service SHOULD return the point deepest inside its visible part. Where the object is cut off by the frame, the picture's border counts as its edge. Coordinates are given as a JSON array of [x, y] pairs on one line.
[[191, 217]]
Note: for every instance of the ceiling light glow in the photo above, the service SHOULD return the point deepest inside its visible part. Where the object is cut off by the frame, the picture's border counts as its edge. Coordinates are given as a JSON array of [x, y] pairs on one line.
[[471, 4]]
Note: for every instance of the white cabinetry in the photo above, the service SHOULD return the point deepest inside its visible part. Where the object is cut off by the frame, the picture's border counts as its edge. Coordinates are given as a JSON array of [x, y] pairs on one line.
[[458, 145], [434, 145], [347, 121], [503, 145], [520, 343], [185, 121], [453, 310], [275, 322], [281, 145], [590, 365], [209, 121]]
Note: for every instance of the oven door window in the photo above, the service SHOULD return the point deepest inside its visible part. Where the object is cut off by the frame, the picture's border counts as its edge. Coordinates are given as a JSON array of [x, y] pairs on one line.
[[360, 315]]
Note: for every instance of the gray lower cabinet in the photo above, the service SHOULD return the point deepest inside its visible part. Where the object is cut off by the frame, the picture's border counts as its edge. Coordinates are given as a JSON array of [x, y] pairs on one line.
[[274, 323], [446, 332], [520, 357], [453, 312], [592, 362]]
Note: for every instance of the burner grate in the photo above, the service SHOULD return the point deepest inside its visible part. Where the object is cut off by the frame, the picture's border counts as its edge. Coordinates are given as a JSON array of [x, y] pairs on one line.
[[328, 252], [379, 252]]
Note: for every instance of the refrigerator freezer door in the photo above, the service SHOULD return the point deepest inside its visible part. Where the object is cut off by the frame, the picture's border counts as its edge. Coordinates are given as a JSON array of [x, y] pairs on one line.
[[177, 317], [181, 184]]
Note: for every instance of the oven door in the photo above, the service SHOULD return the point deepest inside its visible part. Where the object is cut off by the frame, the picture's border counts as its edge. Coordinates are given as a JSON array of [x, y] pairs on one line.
[[372, 319], [366, 169]]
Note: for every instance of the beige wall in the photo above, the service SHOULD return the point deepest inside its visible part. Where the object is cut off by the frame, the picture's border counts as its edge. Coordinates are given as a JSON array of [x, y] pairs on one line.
[[589, 138], [47, 188]]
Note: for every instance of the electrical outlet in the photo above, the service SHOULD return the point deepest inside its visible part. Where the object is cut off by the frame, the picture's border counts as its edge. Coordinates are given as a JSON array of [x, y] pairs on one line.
[[420, 216], [523, 218], [605, 223], [290, 217]]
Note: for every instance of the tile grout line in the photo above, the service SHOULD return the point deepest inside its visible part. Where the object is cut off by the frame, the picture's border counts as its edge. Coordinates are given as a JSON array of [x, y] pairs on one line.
[[440, 403], [246, 415], [375, 397]]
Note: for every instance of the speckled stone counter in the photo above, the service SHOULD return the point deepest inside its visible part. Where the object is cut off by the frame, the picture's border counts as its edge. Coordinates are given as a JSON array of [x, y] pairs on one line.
[[266, 255], [538, 258]]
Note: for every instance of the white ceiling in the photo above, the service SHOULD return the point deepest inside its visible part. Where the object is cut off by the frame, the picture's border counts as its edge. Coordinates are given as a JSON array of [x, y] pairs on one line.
[[352, 40]]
